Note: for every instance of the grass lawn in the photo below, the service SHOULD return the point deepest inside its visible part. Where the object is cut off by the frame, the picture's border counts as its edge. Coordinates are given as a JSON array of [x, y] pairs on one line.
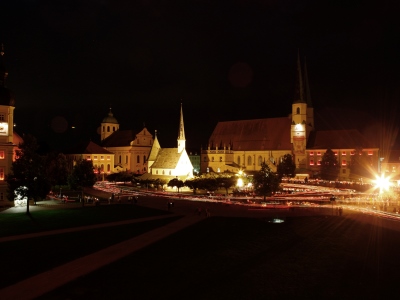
[[43, 220], [318, 257]]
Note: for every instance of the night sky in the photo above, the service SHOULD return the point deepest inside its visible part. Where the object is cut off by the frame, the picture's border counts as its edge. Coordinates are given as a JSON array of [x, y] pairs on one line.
[[69, 61]]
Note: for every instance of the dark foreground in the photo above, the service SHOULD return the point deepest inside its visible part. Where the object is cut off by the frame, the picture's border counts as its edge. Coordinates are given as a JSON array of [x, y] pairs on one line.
[[313, 257]]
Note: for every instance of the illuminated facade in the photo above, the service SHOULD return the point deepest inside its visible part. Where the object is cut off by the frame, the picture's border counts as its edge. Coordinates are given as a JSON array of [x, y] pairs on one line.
[[103, 160], [169, 163], [131, 148], [245, 144], [8, 139]]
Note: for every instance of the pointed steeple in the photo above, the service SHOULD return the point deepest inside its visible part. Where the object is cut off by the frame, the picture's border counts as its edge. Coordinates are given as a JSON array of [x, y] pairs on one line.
[[307, 93], [299, 92], [181, 134]]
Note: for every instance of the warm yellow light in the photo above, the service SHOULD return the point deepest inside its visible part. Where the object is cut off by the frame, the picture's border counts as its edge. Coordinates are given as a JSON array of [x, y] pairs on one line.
[[382, 183], [239, 182]]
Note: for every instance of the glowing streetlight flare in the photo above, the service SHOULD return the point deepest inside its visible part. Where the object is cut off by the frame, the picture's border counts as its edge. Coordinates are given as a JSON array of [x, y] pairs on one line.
[[382, 183]]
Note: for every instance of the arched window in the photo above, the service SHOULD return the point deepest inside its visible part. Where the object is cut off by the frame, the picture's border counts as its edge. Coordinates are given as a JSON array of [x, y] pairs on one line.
[[104, 128], [126, 159], [120, 159], [259, 160], [212, 158], [298, 110], [238, 160], [102, 168], [138, 159], [169, 172], [144, 159], [108, 168], [163, 172], [108, 128], [220, 158], [249, 160]]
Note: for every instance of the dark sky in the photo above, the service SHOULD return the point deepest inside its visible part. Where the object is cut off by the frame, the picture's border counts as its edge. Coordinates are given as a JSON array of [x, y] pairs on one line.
[[224, 60]]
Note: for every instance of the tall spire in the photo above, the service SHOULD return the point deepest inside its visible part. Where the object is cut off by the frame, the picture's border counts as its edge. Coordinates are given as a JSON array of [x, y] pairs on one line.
[[181, 133], [299, 92], [307, 93]]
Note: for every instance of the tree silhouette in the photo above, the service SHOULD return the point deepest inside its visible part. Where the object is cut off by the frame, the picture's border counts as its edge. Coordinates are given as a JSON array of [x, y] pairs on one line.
[[265, 181], [329, 166]]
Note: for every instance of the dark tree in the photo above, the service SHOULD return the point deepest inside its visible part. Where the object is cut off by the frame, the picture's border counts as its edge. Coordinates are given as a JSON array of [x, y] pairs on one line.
[[57, 168], [360, 165], [329, 166], [226, 182], [27, 178], [286, 167], [193, 184], [176, 182], [82, 176], [265, 182]]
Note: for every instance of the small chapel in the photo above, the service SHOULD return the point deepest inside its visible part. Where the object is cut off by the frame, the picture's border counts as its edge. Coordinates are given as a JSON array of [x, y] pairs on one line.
[[169, 163]]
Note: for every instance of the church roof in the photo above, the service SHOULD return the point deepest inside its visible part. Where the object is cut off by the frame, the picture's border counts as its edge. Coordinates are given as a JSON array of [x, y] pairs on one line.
[[258, 134], [110, 118], [119, 138], [337, 139], [167, 158], [87, 148]]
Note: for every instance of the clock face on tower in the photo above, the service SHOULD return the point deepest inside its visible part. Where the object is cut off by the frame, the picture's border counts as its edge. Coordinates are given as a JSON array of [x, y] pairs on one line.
[[3, 128]]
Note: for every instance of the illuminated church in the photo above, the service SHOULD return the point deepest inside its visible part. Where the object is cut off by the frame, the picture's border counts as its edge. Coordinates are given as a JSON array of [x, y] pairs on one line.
[[245, 144], [169, 163]]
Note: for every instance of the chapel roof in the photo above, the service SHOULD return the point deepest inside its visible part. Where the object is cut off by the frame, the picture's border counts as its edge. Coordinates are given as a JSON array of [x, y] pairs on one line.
[[167, 158]]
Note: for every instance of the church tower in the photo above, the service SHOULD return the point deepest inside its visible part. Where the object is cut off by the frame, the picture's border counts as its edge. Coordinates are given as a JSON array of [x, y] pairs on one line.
[[7, 144], [302, 117], [181, 134], [108, 126]]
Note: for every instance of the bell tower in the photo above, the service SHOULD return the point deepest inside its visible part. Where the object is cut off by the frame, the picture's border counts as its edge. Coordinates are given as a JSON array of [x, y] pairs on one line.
[[302, 117]]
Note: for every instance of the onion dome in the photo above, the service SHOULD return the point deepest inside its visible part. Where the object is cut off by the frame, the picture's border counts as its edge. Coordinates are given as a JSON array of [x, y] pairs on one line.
[[110, 118]]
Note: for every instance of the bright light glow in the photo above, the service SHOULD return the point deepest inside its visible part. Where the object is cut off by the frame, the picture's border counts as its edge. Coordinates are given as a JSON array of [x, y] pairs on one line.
[[239, 182], [382, 183]]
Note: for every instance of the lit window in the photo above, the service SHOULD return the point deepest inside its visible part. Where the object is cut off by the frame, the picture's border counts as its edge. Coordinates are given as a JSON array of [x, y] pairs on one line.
[[212, 159], [319, 162], [249, 160], [1, 117], [311, 162], [88, 157], [108, 168], [319, 153], [343, 153], [95, 157], [220, 158], [344, 162], [1, 173], [1, 154], [101, 157], [351, 152], [370, 153], [311, 153], [335, 153], [108, 157]]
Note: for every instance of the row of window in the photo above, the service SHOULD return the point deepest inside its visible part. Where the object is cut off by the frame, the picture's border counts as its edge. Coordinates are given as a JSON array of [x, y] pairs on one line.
[[163, 172], [260, 159], [108, 157], [344, 153], [318, 162]]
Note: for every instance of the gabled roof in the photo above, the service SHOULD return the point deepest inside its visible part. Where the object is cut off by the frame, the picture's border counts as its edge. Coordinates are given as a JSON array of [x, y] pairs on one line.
[[120, 138], [87, 148], [167, 158], [337, 139], [258, 134]]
